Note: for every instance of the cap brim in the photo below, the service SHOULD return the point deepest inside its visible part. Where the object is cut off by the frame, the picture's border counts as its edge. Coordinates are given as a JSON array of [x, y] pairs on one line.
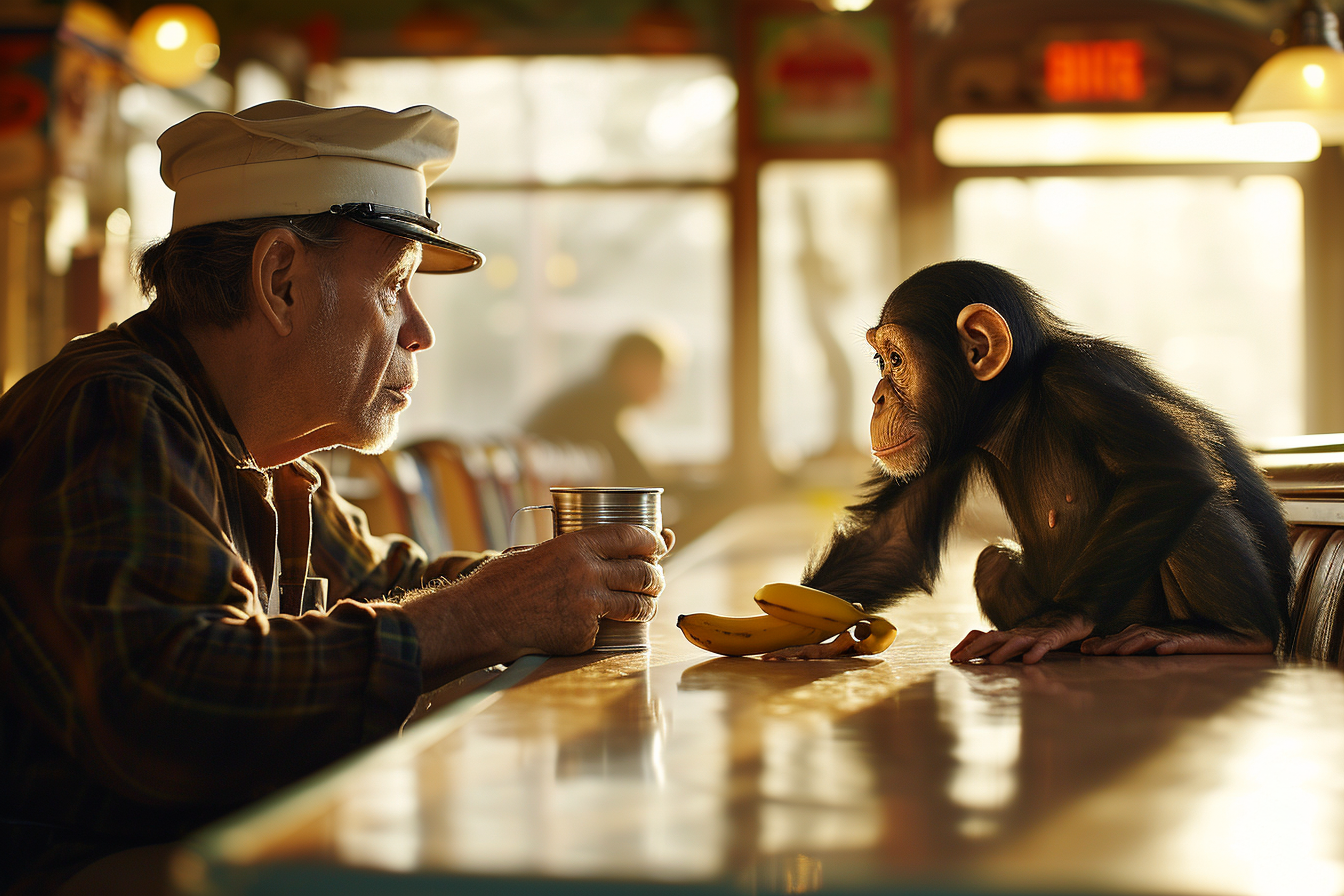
[[440, 256]]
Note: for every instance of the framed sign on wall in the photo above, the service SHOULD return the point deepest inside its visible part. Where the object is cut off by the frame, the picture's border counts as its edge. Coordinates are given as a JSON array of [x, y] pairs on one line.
[[824, 79]]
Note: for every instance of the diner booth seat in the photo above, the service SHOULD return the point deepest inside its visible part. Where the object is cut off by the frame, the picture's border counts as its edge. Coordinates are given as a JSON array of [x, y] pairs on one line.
[[460, 494], [1307, 473]]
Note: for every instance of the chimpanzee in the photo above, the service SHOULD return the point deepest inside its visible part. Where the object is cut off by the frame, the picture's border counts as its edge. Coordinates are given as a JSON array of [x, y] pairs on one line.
[[1143, 524]]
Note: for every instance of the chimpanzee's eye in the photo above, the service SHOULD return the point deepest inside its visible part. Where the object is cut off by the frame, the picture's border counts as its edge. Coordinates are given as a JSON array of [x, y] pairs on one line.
[[878, 359], [896, 359]]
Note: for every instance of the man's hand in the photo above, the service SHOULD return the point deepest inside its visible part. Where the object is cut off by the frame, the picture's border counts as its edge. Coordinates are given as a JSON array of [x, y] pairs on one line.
[[546, 599], [1031, 640]]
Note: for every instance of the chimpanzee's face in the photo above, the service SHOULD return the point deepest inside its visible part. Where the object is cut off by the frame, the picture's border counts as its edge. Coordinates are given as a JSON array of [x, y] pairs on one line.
[[900, 441]]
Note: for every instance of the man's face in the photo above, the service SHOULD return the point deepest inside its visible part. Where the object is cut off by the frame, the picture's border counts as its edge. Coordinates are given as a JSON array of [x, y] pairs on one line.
[[364, 337]]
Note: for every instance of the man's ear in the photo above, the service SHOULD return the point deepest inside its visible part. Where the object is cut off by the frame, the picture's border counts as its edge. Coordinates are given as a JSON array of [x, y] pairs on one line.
[[985, 339], [273, 273]]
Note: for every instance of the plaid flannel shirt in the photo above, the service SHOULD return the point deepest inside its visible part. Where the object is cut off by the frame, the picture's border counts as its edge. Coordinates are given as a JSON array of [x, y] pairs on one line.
[[145, 688]]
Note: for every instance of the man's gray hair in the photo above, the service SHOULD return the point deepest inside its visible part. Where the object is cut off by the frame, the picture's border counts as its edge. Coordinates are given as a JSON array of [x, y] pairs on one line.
[[201, 276]]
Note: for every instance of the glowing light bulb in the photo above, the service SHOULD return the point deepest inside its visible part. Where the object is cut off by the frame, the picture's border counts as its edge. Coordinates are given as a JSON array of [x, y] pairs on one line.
[[171, 35], [1314, 75], [173, 44]]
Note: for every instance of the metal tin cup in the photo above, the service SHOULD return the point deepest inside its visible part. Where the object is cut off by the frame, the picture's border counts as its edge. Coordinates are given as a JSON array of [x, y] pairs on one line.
[[579, 508]]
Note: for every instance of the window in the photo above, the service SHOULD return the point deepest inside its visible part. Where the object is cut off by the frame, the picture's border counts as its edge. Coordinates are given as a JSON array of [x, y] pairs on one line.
[[828, 261], [592, 184], [1202, 273]]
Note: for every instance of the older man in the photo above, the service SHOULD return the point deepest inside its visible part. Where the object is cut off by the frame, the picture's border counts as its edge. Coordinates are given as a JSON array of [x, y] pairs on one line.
[[163, 531]]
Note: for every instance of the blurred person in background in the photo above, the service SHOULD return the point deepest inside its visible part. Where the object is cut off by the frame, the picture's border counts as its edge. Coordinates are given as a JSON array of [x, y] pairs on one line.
[[590, 411], [191, 616]]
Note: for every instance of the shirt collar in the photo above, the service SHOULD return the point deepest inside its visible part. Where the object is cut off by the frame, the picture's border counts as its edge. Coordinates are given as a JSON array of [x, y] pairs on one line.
[[172, 348]]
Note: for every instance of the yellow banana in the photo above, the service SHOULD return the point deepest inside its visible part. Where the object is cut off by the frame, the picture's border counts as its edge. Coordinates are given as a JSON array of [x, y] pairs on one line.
[[746, 635], [883, 634], [808, 607]]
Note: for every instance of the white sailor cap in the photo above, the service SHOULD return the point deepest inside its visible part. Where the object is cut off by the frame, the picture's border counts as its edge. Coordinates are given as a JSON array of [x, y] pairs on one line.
[[286, 158]]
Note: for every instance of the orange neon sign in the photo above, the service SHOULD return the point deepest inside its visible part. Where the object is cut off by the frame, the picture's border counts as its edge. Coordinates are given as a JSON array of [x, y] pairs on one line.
[[1094, 71]]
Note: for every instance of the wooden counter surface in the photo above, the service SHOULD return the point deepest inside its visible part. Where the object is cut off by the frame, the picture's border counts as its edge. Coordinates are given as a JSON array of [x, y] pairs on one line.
[[684, 772]]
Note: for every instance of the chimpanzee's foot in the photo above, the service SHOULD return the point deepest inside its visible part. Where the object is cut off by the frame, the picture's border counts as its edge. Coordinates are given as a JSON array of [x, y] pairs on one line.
[[1176, 639]]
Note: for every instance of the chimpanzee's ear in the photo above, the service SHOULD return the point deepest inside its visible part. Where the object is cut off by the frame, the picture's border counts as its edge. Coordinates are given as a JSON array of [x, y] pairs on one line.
[[985, 339]]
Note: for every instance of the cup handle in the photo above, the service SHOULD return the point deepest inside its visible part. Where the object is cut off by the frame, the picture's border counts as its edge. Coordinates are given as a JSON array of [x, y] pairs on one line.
[[513, 521]]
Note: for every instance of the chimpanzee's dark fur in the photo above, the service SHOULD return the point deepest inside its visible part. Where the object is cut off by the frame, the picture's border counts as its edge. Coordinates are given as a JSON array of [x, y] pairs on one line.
[[1147, 488]]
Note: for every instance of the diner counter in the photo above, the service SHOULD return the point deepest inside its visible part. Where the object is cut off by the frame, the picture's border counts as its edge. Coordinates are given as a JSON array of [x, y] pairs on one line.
[[685, 772]]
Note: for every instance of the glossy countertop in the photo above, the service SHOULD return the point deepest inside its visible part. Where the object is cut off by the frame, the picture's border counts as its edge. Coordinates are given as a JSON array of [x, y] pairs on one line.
[[675, 770]]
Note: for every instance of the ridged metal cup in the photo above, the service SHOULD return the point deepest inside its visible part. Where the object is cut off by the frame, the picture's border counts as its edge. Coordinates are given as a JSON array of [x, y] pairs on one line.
[[582, 508]]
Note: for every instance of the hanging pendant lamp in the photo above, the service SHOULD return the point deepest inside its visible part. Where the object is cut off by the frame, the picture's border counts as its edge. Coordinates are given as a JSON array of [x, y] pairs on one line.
[[1305, 80]]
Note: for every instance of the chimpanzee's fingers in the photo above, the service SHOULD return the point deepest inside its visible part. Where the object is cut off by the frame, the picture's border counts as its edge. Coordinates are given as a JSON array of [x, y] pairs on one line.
[[1105, 645], [977, 644], [1132, 640], [970, 636], [1038, 650], [841, 645], [1015, 645], [1138, 642]]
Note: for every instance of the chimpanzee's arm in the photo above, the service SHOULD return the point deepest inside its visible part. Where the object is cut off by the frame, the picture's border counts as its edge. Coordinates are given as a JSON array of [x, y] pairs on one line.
[[891, 544]]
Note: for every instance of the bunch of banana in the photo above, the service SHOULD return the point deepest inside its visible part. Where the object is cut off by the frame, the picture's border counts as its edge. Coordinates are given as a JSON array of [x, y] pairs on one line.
[[795, 615]]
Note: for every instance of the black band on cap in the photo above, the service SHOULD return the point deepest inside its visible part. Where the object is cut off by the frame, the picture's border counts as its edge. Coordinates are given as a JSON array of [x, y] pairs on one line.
[[363, 211]]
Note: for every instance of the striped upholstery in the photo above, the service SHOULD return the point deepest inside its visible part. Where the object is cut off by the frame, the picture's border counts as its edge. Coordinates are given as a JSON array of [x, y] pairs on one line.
[[1314, 629], [459, 507], [460, 495], [1310, 482]]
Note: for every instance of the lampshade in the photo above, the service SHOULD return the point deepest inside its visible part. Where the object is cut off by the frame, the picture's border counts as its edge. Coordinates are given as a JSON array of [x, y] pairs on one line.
[[1304, 82], [1298, 84]]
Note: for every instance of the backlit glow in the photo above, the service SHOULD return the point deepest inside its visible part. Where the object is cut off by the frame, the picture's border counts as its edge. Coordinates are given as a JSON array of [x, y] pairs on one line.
[[171, 35], [173, 44], [1314, 75], [1118, 139]]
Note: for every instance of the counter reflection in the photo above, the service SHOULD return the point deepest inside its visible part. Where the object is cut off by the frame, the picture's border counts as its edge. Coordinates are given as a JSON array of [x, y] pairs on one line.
[[787, 777]]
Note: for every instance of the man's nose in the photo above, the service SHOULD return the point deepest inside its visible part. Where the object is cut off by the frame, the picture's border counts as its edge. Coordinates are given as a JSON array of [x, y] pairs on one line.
[[416, 333]]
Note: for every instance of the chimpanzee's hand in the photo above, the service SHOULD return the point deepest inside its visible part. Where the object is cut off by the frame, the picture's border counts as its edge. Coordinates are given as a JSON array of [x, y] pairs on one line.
[[1031, 640], [1176, 638], [842, 645]]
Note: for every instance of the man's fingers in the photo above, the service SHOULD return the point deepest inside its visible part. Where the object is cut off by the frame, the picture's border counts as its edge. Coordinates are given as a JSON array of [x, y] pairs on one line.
[[627, 606], [635, 575], [621, 541]]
